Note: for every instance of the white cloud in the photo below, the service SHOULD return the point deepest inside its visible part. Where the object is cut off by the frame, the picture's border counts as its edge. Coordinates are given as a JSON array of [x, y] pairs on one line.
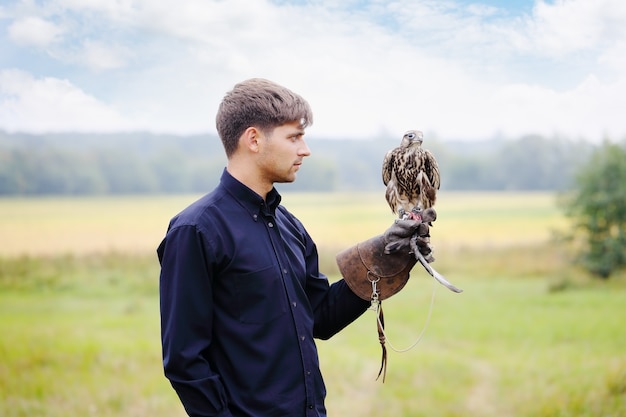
[[581, 112], [50, 104], [462, 72], [34, 31], [569, 26], [100, 56], [613, 58]]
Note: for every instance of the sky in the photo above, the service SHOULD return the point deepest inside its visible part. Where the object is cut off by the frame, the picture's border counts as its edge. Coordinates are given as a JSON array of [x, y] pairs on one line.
[[456, 69]]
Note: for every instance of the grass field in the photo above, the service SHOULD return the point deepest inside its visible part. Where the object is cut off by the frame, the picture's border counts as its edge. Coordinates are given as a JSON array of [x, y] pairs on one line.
[[136, 224], [530, 336]]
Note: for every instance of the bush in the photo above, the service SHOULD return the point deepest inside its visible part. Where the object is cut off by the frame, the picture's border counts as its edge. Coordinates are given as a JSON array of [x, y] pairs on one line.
[[597, 207]]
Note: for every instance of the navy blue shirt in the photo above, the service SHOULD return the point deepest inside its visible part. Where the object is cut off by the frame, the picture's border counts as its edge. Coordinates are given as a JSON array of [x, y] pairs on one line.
[[241, 301]]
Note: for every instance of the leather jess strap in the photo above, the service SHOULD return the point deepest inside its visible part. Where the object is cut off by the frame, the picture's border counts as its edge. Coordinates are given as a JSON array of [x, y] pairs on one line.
[[380, 319]]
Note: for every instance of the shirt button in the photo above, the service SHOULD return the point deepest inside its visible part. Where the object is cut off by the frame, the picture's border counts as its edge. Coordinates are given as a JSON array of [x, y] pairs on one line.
[[285, 271], [254, 216], [294, 304], [302, 337], [270, 224], [310, 406]]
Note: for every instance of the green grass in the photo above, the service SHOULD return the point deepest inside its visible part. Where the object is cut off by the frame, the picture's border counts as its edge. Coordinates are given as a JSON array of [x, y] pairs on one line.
[[502, 348], [83, 343], [529, 336]]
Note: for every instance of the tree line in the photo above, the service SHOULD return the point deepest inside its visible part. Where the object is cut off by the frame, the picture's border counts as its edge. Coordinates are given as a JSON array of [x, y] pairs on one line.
[[144, 163]]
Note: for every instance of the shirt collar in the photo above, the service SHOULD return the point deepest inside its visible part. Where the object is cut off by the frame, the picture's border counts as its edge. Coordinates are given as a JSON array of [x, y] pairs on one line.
[[248, 198]]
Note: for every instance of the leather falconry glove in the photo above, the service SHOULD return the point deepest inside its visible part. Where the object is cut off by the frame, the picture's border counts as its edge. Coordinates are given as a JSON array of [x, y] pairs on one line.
[[387, 259], [405, 235], [379, 267]]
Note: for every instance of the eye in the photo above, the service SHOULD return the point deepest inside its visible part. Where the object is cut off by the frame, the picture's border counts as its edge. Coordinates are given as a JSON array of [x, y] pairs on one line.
[[411, 135]]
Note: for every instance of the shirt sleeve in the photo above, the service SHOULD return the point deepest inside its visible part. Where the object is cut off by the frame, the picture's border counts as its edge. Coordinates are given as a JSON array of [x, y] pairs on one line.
[[334, 306], [186, 298], [340, 308]]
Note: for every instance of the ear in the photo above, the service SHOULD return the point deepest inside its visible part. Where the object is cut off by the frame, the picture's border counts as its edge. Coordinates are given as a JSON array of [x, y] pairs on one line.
[[250, 139]]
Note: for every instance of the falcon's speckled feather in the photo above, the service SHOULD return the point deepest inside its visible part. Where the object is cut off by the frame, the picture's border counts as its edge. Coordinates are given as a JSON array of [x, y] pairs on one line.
[[411, 175]]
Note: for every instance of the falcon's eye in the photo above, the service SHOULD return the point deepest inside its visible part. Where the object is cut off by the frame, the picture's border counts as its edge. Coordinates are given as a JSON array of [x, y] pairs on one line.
[[411, 135]]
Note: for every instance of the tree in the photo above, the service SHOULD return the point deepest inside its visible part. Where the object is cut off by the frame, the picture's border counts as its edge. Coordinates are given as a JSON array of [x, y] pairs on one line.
[[597, 206]]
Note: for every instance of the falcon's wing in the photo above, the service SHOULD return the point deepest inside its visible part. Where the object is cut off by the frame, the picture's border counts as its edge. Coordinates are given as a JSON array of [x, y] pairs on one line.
[[387, 167], [431, 168]]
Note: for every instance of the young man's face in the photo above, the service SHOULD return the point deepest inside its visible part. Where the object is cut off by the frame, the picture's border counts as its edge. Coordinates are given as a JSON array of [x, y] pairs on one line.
[[281, 152]]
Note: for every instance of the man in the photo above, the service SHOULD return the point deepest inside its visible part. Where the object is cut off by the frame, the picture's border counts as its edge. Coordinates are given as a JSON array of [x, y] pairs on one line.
[[242, 298]]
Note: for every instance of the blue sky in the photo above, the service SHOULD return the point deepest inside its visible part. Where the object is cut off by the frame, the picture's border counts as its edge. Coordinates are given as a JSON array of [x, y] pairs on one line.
[[457, 69]]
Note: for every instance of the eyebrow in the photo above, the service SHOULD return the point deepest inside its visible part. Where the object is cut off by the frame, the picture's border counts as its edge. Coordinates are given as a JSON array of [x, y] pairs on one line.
[[299, 132]]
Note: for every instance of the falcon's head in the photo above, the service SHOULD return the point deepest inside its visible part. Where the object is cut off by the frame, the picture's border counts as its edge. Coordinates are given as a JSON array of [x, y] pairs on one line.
[[412, 138]]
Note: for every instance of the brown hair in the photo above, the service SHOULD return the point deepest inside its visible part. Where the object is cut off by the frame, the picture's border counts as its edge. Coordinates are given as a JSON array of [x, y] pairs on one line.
[[260, 103]]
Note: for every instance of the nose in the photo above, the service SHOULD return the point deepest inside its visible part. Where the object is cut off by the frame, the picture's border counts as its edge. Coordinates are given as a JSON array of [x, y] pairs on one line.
[[304, 149]]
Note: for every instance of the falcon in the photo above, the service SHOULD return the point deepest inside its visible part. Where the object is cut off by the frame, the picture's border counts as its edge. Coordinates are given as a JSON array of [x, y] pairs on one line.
[[411, 174]]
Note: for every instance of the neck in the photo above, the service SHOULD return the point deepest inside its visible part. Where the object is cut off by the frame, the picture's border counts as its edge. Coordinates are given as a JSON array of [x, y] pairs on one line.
[[243, 171]]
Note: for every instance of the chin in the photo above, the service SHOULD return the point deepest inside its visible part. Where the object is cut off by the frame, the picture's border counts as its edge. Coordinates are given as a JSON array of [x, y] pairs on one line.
[[283, 180]]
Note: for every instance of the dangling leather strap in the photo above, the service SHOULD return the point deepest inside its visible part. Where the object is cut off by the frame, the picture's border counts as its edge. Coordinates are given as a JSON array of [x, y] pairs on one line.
[[380, 321]]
